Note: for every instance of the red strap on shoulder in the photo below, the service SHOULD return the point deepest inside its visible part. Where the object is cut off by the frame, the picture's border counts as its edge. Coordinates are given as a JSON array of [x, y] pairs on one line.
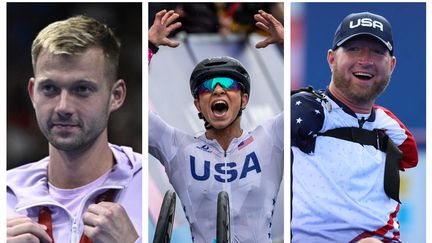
[[45, 219], [45, 215]]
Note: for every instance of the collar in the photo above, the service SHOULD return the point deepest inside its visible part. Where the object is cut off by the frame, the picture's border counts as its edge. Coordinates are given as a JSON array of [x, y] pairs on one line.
[[232, 146], [346, 109], [29, 183]]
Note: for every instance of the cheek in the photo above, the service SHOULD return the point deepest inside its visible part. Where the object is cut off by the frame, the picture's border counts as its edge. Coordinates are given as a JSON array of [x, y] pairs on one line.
[[42, 106], [94, 108], [236, 100], [203, 100], [385, 69]]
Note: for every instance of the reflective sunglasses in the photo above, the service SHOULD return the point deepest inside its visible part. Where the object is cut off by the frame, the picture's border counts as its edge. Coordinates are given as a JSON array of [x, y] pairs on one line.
[[209, 85]]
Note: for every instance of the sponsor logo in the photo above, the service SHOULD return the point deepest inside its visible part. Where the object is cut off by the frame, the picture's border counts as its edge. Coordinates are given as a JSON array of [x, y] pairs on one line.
[[204, 148]]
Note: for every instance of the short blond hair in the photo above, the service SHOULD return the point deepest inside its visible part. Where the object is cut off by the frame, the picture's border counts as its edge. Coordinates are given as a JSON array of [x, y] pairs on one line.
[[75, 35]]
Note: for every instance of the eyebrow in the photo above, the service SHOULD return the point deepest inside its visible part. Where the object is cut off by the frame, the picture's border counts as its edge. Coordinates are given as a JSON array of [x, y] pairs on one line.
[[73, 83], [48, 80]]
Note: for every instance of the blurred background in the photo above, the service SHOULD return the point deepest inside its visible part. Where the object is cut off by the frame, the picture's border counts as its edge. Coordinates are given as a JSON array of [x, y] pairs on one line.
[[312, 29], [208, 30], [25, 143]]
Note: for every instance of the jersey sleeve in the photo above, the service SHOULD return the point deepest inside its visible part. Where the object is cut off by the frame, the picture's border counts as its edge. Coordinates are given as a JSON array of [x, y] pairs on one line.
[[307, 118], [408, 146], [275, 127], [161, 139]]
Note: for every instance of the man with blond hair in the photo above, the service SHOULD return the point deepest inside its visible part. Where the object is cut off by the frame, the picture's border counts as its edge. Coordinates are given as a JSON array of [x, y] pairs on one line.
[[86, 190]]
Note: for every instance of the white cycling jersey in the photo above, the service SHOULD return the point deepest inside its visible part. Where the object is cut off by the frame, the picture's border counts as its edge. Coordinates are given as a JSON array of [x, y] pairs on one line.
[[250, 171]]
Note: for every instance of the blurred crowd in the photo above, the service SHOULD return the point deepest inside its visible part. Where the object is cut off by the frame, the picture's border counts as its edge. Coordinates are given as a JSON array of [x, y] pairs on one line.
[[25, 143], [218, 17]]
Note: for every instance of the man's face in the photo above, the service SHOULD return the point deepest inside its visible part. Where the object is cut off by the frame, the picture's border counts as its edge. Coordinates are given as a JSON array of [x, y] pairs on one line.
[[361, 69], [220, 107], [71, 98]]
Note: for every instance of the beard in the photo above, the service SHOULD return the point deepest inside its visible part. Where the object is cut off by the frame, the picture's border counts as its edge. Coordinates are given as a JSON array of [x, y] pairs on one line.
[[79, 139], [74, 142], [359, 94]]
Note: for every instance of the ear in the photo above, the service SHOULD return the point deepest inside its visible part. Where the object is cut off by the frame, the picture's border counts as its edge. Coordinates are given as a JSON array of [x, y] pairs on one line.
[[197, 105], [331, 58], [245, 100], [30, 89], [392, 64], [118, 94]]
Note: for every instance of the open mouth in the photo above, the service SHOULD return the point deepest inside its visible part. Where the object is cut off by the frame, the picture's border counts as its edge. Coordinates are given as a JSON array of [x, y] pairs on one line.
[[219, 108], [363, 76]]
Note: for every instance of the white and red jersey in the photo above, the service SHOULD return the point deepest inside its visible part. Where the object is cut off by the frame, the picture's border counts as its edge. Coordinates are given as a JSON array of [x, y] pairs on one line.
[[337, 185], [250, 171]]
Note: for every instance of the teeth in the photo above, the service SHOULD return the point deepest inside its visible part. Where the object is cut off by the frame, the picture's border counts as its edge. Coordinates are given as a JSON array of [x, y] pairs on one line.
[[363, 74], [220, 102], [220, 106]]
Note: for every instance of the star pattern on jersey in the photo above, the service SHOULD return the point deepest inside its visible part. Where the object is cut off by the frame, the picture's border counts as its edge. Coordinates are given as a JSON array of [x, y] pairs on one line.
[[307, 119], [299, 120]]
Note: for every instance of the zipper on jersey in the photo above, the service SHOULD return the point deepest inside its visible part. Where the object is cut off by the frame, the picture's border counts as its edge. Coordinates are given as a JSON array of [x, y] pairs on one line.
[[361, 122], [74, 230]]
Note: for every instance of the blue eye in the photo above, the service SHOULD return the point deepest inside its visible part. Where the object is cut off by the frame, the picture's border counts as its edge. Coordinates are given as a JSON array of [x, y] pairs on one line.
[[82, 90], [353, 49], [380, 51], [49, 89]]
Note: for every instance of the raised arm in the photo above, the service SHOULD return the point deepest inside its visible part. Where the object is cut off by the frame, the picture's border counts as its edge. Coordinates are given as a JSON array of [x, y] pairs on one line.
[[162, 26], [272, 26]]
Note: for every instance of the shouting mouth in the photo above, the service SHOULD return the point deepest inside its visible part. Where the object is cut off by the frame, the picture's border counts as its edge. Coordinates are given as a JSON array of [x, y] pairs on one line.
[[219, 108]]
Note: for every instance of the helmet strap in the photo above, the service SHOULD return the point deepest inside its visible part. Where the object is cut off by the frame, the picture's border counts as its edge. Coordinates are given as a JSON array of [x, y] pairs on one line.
[[206, 123]]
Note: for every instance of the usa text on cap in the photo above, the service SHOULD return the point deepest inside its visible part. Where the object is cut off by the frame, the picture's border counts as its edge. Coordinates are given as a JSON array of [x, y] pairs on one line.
[[364, 23]]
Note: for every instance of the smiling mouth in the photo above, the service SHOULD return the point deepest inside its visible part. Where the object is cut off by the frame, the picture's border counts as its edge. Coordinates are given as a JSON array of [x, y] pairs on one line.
[[64, 126], [219, 108], [363, 75]]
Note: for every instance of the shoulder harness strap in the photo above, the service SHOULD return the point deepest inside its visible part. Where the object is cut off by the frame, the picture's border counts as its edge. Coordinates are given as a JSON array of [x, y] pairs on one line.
[[380, 141], [317, 94]]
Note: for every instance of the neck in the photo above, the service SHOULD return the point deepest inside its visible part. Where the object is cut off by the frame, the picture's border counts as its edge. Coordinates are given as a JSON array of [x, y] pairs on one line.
[[226, 135], [362, 108], [72, 169]]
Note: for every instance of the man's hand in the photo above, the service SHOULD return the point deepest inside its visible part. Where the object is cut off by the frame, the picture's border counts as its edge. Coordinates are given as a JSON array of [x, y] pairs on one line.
[[162, 26], [272, 26], [22, 229], [108, 222]]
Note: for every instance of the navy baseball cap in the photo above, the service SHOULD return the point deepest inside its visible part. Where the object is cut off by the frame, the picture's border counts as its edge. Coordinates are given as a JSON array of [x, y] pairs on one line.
[[365, 23]]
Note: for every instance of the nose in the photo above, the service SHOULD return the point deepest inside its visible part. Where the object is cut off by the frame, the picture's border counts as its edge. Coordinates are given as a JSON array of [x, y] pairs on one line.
[[63, 107], [218, 90], [365, 57]]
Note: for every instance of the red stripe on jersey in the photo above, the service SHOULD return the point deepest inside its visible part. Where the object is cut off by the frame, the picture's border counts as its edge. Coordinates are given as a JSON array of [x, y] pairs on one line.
[[383, 230], [408, 147]]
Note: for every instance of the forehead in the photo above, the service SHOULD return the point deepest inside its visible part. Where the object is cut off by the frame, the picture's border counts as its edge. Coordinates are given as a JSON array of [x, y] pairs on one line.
[[365, 40], [90, 63]]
